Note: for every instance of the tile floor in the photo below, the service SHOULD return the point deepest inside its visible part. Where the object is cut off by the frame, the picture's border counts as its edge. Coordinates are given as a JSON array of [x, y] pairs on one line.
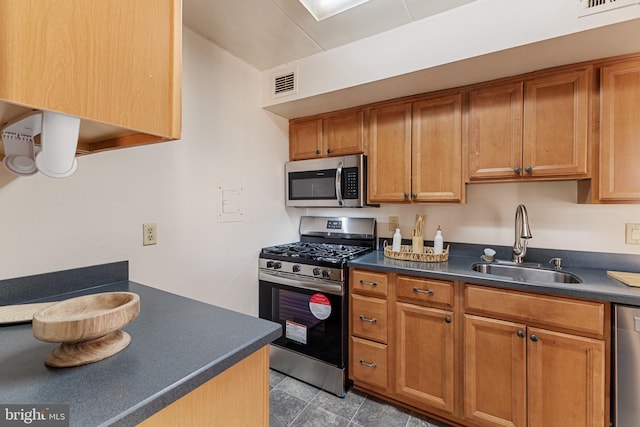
[[294, 403]]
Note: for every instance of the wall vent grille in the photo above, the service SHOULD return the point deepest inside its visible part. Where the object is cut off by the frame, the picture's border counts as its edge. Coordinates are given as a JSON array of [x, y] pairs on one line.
[[589, 7], [285, 84]]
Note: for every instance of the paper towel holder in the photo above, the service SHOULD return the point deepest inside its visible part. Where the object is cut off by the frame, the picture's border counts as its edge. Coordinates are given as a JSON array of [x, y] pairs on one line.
[[58, 144]]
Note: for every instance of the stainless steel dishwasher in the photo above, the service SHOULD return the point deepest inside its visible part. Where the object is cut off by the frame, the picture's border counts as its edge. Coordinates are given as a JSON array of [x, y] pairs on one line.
[[626, 366]]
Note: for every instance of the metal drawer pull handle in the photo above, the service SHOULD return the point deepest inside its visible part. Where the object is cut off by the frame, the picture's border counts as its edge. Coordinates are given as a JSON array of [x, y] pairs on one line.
[[370, 365], [422, 291], [365, 282], [366, 319]]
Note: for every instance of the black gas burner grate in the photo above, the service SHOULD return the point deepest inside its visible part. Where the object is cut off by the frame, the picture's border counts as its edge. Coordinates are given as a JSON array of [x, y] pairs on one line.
[[333, 253]]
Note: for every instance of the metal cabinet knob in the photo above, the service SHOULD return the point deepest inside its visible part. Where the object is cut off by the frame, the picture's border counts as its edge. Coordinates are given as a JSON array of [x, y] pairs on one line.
[[534, 338], [447, 319], [317, 151], [406, 195], [329, 151], [528, 169], [520, 334], [517, 170], [414, 195]]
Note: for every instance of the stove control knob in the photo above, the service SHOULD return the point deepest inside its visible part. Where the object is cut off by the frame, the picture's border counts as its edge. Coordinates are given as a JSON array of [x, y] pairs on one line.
[[277, 265], [316, 271], [296, 268], [269, 264], [326, 273]]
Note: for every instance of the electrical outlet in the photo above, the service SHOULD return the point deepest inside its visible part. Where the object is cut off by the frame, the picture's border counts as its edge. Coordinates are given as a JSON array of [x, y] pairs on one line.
[[149, 236], [394, 223], [632, 234]]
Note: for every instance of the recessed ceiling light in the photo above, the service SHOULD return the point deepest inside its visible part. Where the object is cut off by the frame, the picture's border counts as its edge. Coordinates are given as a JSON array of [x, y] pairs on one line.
[[323, 9]]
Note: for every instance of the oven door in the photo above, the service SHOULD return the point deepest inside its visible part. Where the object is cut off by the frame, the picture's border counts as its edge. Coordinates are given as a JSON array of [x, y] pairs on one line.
[[312, 319]]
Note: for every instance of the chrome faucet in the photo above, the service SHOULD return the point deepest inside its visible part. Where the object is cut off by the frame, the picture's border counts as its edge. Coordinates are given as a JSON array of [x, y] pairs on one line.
[[522, 234]]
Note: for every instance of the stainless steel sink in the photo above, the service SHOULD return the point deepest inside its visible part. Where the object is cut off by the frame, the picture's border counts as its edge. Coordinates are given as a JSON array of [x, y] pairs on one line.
[[526, 274]]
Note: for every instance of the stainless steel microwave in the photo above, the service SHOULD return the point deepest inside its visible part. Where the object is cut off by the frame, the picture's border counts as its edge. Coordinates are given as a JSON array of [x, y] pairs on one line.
[[327, 183]]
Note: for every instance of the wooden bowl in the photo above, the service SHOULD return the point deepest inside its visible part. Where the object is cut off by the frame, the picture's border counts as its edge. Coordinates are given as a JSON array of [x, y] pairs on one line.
[[87, 326]]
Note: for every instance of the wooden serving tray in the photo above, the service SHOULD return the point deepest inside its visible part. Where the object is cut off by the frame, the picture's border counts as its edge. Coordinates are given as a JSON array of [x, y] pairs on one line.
[[629, 279]]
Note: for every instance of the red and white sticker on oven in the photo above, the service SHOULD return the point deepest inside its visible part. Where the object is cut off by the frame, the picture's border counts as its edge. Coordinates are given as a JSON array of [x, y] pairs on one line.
[[320, 306]]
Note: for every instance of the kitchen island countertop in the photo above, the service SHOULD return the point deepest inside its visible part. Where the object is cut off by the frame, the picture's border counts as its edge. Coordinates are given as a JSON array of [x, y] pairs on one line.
[[177, 345], [596, 284]]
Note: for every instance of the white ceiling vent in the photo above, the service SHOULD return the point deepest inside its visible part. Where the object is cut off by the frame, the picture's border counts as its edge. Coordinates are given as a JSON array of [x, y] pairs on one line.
[[285, 83], [589, 7]]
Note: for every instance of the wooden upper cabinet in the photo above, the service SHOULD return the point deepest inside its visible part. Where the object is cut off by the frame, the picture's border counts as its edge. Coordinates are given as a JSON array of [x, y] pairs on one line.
[[305, 139], [532, 129], [436, 149], [415, 151], [556, 113], [495, 131], [333, 134], [115, 62], [343, 133], [389, 160], [619, 173]]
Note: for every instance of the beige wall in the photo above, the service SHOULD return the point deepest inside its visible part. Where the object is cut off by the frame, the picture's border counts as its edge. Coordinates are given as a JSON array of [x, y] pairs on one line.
[[556, 220], [96, 215]]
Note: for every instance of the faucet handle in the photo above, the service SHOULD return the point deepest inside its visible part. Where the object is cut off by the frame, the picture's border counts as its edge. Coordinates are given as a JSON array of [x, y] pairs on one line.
[[557, 263]]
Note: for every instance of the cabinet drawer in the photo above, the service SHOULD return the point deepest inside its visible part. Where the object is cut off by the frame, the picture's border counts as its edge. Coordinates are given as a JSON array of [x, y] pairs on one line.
[[564, 313], [369, 362], [369, 282], [369, 318], [424, 291]]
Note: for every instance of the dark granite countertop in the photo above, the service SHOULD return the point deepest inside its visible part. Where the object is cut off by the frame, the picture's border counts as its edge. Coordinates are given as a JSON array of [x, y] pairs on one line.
[[596, 284], [177, 344]]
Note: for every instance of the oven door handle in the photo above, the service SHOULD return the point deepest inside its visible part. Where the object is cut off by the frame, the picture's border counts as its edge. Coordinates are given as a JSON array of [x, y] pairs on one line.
[[280, 279], [339, 184]]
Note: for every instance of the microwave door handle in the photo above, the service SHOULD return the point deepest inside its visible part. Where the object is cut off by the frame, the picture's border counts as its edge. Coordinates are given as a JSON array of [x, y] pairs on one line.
[[339, 183]]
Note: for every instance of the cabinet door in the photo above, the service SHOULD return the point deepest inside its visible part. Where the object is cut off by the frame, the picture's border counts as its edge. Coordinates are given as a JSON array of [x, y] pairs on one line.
[[436, 144], [424, 356], [495, 132], [343, 133], [566, 380], [619, 129], [495, 372], [389, 160], [555, 124], [305, 139], [116, 61]]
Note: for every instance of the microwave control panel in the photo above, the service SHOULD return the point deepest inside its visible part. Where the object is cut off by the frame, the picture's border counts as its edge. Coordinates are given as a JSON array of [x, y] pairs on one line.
[[350, 183]]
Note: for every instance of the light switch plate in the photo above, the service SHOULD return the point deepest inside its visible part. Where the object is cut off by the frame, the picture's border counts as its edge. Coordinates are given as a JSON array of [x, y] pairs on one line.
[[632, 234]]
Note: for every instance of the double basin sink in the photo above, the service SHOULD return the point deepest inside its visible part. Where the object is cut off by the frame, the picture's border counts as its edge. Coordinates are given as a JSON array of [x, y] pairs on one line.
[[526, 274]]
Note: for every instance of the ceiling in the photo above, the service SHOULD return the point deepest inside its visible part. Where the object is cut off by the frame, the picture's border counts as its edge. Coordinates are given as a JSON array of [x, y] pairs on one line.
[[269, 33]]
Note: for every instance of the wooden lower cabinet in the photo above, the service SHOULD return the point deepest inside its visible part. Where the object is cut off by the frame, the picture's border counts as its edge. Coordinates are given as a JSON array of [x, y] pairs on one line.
[[480, 356], [566, 379], [238, 396], [495, 372], [424, 356]]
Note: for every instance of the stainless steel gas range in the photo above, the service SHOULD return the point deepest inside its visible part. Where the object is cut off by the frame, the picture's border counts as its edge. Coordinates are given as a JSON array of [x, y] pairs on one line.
[[304, 287]]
